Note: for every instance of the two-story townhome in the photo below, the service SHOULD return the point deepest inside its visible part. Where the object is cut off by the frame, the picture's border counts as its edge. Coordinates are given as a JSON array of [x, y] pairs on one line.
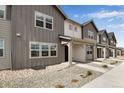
[[29, 36], [102, 44], [112, 44], [79, 40]]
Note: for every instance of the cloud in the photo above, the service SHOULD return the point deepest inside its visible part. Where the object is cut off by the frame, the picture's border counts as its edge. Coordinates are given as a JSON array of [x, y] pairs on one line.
[[106, 14], [110, 20], [76, 16], [118, 27]]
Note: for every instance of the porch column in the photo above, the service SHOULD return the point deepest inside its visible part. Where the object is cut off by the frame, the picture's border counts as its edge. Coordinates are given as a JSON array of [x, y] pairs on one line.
[[95, 51], [70, 53], [104, 52], [113, 52], [85, 53]]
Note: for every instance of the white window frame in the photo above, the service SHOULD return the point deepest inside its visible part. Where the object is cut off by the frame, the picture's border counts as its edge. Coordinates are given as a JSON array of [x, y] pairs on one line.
[[40, 50], [4, 16], [31, 49], [90, 34], [3, 49], [104, 38], [44, 21]]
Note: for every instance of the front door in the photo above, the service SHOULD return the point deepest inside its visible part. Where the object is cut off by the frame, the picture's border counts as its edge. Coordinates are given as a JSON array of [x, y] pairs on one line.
[[89, 52], [66, 53]]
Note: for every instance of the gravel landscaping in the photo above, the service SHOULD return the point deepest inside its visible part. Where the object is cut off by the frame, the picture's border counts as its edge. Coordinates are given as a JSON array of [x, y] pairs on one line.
[[58, 76]]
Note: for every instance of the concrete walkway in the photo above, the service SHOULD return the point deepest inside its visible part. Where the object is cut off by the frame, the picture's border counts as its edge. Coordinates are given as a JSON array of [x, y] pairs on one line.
[[112, 79]]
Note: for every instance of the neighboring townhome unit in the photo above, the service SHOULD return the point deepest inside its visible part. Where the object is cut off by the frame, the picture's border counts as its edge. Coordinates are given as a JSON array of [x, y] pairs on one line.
[[102, 44], [29, 36], [89, 35], [80, 41], [112, 44], [5, 39], [119, 51]]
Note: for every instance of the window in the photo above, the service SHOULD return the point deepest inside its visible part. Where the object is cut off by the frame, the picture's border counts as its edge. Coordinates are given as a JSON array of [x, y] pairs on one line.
[[90, 34], [45, 50], [75, 28], [1, 48], [104, 39], [70, 27], [53, 49], [43, 21], [2, 11], [89, 49], [35, 50], [41, 49]]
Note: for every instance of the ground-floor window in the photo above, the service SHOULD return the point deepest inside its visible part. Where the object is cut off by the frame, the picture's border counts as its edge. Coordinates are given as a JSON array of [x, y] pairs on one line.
[[89, 49], [42, 49], [1, 48]]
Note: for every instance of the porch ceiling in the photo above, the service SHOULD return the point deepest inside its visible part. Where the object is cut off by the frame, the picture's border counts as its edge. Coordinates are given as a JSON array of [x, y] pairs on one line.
[[75, 40]]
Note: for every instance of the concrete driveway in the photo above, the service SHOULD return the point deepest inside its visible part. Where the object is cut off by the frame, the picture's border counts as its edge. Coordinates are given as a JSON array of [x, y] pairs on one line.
[[112, 79]]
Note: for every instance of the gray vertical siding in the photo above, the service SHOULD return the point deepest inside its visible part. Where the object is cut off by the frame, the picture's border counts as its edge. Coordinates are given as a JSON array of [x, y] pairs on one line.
[[23, 22], [90, 27], [102, 41], [5, 34]]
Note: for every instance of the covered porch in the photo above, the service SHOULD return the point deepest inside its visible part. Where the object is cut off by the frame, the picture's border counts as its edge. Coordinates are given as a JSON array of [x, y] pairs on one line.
[[77, 50]]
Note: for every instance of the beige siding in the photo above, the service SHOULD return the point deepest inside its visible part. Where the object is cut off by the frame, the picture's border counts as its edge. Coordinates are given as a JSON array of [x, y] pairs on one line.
[[72, 33], [5, 62], [79, 53]]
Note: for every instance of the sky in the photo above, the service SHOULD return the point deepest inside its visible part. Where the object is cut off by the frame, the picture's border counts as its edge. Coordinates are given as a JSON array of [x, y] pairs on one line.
[[106, 17]]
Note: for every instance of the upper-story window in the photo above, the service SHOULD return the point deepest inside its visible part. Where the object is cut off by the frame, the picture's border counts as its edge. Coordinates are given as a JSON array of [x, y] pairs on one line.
[[75, 28], [90, 34], [104, 38], [43, 21], [2, 11], [112, 41], [72, 27]]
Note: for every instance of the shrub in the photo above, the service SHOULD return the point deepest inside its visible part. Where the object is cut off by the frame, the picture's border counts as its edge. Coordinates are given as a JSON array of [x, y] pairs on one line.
[[59, 86], [74, 81], [114, 62], [105, 66]]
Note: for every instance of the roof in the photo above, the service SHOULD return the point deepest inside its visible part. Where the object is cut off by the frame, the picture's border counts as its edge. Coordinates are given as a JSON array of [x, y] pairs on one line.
[[90, 21], [111, 34], [103, 31], [73, 21], [61, 11]]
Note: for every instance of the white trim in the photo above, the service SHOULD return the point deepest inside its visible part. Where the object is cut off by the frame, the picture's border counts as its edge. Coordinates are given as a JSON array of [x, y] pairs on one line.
[[40, 49], [44, 21], [3, 48]]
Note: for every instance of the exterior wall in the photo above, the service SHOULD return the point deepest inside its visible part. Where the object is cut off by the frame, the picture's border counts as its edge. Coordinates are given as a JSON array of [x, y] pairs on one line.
[[72, 33], [79, 53], [23, 23], [91, 28], [112, 44], [5, 34], [102, 41]]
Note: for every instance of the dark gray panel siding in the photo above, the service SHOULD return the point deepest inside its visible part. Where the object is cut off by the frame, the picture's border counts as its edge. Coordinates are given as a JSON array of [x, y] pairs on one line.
[[23, 23], [102, 41], [90, 27]]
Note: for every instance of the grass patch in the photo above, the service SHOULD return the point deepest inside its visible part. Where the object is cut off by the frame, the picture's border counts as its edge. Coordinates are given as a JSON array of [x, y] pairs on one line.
[[74, 81], [59, 86], [114, 62], [88, 73], [104, 66]]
